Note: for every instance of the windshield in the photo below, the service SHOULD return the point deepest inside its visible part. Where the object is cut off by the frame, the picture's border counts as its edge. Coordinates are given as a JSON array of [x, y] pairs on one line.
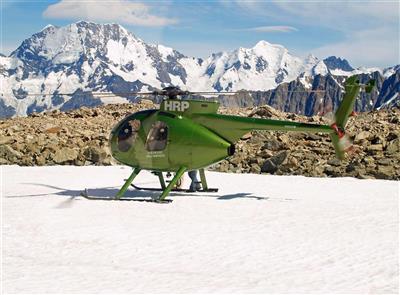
[[127, 134], [157, 137]]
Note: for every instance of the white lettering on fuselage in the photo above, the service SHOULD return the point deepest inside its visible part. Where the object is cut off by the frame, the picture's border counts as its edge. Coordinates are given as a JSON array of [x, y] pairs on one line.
[[176, 105], [155, 154]]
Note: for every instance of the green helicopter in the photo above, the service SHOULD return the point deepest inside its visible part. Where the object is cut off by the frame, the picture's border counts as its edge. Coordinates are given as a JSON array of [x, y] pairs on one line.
[[187, 135]]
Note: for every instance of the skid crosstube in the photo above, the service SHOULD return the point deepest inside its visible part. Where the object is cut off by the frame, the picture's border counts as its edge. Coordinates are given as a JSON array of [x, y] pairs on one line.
[[203, 183]]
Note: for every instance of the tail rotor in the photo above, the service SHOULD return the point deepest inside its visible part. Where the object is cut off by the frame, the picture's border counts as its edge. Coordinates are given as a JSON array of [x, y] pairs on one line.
[[341, 141]]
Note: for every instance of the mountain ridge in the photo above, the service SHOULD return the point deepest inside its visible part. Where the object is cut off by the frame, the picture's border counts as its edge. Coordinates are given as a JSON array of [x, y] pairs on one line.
[[85, 56]]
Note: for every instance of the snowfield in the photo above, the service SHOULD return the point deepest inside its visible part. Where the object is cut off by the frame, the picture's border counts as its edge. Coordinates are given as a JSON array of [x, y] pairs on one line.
[[259, 233]]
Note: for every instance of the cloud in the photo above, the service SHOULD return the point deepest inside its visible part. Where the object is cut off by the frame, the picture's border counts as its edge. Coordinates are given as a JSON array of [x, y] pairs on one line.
[[339, 15], [373, 47], [119, 11], [272, 29]]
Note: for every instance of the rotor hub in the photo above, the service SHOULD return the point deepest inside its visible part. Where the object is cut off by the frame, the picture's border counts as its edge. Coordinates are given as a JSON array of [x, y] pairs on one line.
[[171, 92]]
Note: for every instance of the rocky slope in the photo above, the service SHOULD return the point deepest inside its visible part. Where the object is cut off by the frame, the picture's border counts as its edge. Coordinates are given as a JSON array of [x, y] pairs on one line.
[[80, 137], [85, 57]]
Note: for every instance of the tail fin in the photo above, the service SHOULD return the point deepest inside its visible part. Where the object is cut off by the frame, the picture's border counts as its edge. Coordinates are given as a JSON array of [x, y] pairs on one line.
[[352, 89], [346, 108]]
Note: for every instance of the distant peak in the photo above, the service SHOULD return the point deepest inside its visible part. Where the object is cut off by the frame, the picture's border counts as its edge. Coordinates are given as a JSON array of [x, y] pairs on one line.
[[263, 44], [333, 63], [311, 58], [335, 58], [49, 26], [85, 22]]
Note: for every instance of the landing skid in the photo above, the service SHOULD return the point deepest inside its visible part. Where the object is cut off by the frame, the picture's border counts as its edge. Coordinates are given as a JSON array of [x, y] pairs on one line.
[[165, 189], [208, 190], [85, 194]]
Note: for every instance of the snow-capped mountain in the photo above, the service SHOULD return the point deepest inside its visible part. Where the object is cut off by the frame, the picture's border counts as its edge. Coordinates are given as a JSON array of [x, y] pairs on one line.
[[84, 57]]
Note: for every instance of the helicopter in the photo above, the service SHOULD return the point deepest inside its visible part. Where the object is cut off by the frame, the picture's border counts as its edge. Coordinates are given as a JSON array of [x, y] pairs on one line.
[[189, 135]]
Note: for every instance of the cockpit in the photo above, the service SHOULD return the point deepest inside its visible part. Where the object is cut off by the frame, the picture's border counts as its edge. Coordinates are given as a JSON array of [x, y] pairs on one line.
[[128, 133]]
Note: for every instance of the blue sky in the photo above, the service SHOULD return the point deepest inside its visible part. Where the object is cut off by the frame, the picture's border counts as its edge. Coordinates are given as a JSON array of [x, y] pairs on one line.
[[364, 32]]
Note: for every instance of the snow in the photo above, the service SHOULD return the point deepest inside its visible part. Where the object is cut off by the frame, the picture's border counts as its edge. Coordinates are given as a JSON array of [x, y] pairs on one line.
[[134, 52], [320, 69], [339, 72], [9, 63], [258, 234], [304, 80], [390, 71], [389, 101], [48, 26], [62, 45], [365, 70], [113, 99], [165, 52], [238, 69], [176, 81], [67, 57]]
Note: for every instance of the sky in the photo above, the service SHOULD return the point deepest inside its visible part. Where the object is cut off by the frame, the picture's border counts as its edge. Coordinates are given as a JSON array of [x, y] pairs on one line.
[[366, 33]]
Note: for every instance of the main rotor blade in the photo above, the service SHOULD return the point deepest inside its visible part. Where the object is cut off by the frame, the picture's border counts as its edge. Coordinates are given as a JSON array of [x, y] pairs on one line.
[[103, 94], [106, 94], [161, 93]]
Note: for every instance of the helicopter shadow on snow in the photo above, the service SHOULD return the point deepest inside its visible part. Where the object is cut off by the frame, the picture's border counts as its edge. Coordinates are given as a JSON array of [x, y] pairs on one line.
[[107, 192]]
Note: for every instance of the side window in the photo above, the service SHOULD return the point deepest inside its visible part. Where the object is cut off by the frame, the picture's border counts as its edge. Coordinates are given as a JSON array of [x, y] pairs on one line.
[[157, 137], [127, 135]]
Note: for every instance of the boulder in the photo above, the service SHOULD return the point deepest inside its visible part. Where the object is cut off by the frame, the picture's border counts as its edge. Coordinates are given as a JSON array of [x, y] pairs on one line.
[[65, 155], [246, 136], [255, 168], [384, 172], [269, 167], [3, 161], [95, 154], [375, 147], [272, 144], [8, 153], [53, 129], [362, 136], [5, 139], [393, 146], [272, 164]]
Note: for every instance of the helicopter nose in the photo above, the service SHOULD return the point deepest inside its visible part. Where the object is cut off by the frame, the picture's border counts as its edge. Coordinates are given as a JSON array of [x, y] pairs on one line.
[[123, 137]]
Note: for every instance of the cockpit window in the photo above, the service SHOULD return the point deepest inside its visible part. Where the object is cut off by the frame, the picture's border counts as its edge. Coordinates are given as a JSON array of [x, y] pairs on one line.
[[157, 137], [127, 135]]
